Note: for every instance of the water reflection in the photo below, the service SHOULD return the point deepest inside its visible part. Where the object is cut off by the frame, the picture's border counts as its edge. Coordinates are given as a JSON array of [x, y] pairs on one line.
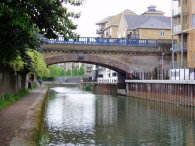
[[75, 117], [106, 111]]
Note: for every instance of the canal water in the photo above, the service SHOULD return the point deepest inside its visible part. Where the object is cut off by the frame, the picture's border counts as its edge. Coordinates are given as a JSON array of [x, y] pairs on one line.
[[75, 117]]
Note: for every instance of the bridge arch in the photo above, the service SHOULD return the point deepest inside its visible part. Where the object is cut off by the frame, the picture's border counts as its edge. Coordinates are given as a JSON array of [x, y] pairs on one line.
[[119, 67], [90, 59]]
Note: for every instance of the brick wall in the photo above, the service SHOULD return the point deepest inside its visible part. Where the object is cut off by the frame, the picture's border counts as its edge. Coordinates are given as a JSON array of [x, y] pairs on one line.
[[100, 88], [105, 89]]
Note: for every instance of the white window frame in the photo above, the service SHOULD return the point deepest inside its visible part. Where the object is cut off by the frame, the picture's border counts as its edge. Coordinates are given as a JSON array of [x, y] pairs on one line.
[[162, 33]]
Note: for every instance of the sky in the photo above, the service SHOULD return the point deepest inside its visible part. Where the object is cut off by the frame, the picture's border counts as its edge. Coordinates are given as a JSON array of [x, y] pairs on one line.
[[93, 11]]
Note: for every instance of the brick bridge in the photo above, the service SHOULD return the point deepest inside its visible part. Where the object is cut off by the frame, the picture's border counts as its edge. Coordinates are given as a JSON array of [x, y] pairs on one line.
[[122, 55]]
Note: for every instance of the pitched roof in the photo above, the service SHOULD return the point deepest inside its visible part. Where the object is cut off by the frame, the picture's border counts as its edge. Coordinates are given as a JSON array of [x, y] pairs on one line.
[[155, 23], [104, 20], [128, 12], [140, 21], [125, 12]]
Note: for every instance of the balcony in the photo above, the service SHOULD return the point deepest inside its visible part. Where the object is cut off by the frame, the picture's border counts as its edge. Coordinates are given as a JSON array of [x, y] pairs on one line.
[[185, 10], [99, 31], [185, 26], [176, 12], [176, 29], [177, 47], [133, 36]]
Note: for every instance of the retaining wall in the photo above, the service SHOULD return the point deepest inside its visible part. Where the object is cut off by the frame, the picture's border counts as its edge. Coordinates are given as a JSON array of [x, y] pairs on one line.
[[105, 89], [176, 92], [100, 88], [10, 81]]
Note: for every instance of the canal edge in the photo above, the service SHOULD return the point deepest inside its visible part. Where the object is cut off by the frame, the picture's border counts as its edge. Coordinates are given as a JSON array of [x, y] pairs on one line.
[[29, 131]]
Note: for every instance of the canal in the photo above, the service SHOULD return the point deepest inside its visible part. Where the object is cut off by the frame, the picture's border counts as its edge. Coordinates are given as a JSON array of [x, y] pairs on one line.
[[75, 117]]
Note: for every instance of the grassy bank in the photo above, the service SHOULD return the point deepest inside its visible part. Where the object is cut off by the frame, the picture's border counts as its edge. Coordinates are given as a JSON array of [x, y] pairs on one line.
[[8, 98]]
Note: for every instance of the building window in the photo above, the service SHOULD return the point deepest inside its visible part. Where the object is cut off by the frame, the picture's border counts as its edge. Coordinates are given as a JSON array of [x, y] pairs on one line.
[[162, 33], [193, 20], [114, 74], [100, 76]]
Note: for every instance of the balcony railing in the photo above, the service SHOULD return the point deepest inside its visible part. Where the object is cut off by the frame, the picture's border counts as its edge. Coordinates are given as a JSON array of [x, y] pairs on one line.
[[99, 31], [185, 9], [176, 11], [133, 36], [178, 47], [176, 28], [185, 25], [105, 41]]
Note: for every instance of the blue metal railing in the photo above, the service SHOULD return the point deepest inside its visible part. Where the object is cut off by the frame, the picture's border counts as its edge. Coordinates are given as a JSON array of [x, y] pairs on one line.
[[105, 41]]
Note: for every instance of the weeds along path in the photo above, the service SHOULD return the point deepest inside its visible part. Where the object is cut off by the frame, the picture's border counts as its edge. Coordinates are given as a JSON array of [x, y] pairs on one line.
[[12, 116]]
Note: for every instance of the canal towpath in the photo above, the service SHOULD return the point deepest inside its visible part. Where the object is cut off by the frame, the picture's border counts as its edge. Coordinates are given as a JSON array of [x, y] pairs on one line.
[[18, 120]]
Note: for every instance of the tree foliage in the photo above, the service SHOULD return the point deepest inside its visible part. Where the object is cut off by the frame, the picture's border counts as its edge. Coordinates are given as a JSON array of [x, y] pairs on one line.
[[68, 72], [81, 71], [56, 71], [75, 71], [21, 21], [39, 66], [17, 64]]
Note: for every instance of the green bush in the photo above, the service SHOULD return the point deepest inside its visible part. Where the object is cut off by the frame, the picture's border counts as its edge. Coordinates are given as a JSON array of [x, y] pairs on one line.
[[8, 98], [87, 87]]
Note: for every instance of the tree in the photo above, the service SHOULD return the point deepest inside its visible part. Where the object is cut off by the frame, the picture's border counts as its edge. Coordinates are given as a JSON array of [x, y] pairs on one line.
[[39, 66], [75, 71], [68, 72], [62, 72], [56, 71], [81, 71], [22, 21]]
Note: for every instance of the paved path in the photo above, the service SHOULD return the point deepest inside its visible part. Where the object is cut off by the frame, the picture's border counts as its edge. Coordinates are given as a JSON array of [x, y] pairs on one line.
[[12, 116]]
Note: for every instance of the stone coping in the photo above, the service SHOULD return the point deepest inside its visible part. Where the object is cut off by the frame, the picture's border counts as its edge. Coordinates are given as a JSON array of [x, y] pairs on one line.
[[29, 130]]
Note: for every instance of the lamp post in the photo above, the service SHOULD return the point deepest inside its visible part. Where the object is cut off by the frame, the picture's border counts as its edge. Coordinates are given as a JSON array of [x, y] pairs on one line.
[[162, 64]]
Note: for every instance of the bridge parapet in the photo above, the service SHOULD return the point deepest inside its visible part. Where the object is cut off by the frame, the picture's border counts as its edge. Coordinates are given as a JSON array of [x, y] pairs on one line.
[[94, 48], [106, 41]]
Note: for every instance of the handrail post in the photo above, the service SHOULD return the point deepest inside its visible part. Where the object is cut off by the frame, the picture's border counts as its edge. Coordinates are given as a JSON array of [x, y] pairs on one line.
[[87, 40], [127, 41], [97, 40], [156, 43], [137, 42], [146, 43]]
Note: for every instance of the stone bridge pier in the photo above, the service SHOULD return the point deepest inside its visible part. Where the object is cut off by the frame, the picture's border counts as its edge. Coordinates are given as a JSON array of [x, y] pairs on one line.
[[122, 76]]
